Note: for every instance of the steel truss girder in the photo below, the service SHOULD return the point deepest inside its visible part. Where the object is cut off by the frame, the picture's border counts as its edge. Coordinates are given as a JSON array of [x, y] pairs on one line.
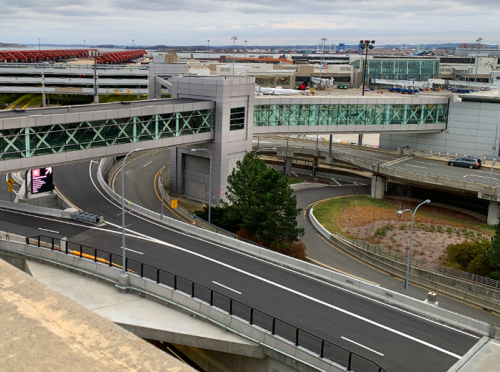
[[58, 138], [312, 115]]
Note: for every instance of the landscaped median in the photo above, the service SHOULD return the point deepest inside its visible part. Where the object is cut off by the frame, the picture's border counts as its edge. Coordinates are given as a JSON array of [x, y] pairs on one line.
[[372, 231]]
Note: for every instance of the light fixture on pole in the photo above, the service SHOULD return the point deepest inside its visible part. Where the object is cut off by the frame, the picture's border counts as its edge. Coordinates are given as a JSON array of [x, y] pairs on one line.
[[265, 148], [234, 38], [210, 183], [124, 267], [365, 44], [246, 45], [84, 43], [411, 235], [208, 47], [495, 153], [323, 39], [39, 43], [478, 41]]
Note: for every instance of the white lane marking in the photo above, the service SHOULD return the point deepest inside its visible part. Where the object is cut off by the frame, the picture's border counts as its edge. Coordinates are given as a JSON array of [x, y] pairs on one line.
[[145, 165], [154, 240], [94, 161], [224, 286], [422, 162], [52, 231], [295, 174], [389, 163], [416, 166], [473, 175], [131, 250], [334, 180], [363, 346]]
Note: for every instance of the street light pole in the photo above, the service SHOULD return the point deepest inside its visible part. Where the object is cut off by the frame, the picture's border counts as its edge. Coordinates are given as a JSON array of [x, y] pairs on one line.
[[323, 39], [411, 236], [478, 41], [39, 43], [246, 45], [494, 149], [209, 183], [234, 38], [84, 43], [208, 47], [124, 269], [366, 44]]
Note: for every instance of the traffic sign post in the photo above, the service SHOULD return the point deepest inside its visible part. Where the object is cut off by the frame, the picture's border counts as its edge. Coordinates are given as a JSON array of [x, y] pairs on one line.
[[173, 203]]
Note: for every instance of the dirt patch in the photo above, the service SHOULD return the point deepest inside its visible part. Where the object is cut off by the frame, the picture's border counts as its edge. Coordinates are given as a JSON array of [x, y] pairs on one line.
[[431, 235]]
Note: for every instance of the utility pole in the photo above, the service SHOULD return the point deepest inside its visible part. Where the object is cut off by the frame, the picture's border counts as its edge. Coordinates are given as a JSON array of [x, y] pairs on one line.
[[478, 41], [323, 39], [246, 44], [234, 38], [39, 43], [84, 43], [208, 47]]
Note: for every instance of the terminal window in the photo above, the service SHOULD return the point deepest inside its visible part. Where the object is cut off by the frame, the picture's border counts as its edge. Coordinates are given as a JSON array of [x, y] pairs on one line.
[[237, 120]]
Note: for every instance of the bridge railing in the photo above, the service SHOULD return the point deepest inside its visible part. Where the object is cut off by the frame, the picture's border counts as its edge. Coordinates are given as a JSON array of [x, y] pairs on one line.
[[299, 337]]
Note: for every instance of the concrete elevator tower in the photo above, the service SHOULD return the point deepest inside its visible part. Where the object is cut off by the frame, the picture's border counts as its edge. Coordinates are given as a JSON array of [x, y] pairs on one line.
[[233, 119]]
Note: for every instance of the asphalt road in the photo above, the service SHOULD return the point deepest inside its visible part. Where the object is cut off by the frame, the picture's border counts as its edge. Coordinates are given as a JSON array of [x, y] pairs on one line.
[[396, 161], [397, 340]]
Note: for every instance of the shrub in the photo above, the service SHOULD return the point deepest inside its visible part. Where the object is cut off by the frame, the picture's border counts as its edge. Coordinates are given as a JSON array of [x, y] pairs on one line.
[[479, 265], [449, 230], [297, 250], [440, 229], [464, 253], [402, 227], [432, 228]]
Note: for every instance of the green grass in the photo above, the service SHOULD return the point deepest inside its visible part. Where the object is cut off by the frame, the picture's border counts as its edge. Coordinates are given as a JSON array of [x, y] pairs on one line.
[[291, 182], [327, 213]]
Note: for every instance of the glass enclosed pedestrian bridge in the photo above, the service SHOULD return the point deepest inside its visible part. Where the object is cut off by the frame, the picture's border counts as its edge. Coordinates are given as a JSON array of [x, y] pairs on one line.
[[84, 132], [342, 116]]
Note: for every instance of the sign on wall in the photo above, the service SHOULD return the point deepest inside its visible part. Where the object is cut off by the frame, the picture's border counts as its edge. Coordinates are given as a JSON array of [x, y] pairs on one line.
[[42, 180]]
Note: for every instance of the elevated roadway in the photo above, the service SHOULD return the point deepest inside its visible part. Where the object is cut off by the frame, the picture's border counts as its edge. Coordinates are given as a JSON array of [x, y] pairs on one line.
[[401, 342]]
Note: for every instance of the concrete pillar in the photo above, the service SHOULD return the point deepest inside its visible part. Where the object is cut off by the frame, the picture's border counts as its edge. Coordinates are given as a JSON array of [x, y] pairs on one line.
[[288, 166], [329, 160], [316, 161], [379, 185], [360, 139], [493, 212]]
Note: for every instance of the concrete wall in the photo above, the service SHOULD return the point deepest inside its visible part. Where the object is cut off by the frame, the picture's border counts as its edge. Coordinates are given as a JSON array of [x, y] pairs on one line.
[[159, 68], [471, 131], [228, 146]]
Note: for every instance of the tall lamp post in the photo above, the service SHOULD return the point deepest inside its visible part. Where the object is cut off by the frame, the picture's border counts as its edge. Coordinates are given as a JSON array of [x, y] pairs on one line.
[[124, 270], [411, 235], [495, 153], [39, 43], [366, 44], [210, 183], [246, 46], [478, 41], [208, 47], [234, 38], [84, 43], [323, 39]]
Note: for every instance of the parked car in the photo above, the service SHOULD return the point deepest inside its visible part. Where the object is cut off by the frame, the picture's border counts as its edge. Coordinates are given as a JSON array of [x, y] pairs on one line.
[[466, 162]]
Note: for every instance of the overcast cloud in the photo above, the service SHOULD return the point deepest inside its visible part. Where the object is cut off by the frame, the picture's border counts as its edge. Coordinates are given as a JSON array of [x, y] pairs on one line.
[[261, 22]]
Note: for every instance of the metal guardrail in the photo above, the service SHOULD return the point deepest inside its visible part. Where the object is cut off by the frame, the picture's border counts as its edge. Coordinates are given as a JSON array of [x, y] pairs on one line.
[[421, 264], [299, 337]]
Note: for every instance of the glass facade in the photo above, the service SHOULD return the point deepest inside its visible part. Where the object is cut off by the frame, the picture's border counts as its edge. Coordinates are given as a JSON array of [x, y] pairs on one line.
[[401, 69], [52, 139], [293, 115], [395, 69]]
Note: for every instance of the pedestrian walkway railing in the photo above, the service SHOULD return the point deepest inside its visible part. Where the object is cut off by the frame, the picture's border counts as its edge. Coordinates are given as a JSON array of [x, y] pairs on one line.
[[299, 337], [421, 264]]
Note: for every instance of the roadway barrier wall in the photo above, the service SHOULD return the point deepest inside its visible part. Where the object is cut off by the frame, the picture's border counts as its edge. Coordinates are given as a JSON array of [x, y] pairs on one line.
[[28, 208], [472, 293], [356, 285]]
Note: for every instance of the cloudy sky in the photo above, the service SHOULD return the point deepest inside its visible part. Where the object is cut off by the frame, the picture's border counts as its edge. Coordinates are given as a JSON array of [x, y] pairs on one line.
[[261, 22]]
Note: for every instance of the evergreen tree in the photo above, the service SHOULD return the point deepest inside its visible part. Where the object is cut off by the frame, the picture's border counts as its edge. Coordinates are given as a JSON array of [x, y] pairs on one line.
[[493, 254], [262, 202]]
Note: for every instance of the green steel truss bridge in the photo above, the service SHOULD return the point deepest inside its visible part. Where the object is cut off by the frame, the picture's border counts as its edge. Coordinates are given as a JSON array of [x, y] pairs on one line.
[[37, 137], [60, 135]]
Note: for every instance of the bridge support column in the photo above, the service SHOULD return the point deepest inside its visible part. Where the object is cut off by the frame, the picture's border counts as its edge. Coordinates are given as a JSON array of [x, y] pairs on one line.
[[360, 139], [379, 185], [493, 212], [288, 166]]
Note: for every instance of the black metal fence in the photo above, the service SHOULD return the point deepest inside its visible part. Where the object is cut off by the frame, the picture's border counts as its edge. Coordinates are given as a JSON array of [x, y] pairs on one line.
[[277, 327]]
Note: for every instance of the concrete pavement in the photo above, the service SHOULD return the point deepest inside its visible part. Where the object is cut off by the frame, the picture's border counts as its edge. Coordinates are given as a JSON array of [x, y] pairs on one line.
[[44, 331]]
